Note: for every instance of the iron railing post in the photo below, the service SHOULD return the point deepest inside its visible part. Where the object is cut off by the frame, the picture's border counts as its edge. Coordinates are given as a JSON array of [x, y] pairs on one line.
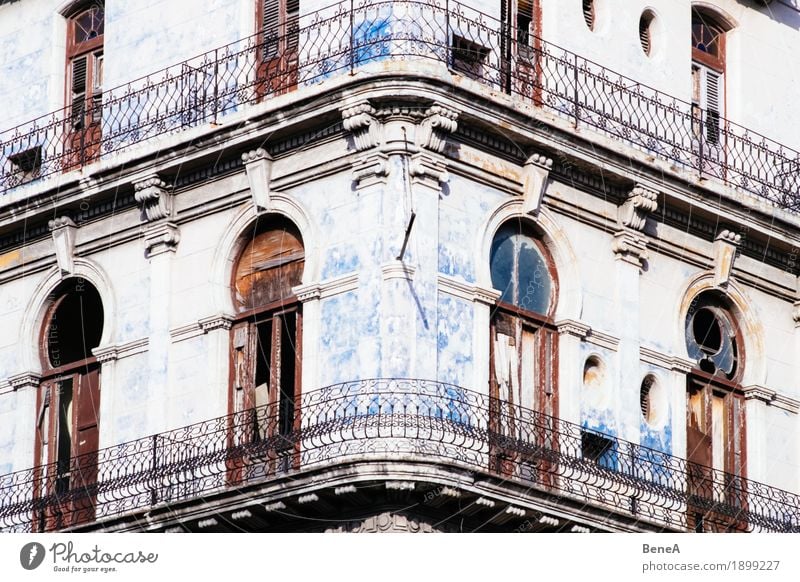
[[216, 83], [154, 467], [446, 33], [701, 154], [352, 40], [575, 102]]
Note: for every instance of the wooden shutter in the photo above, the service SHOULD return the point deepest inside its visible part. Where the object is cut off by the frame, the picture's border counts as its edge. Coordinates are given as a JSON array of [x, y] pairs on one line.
[[292, 25], [79, 70], [271, 27], [713, 104]]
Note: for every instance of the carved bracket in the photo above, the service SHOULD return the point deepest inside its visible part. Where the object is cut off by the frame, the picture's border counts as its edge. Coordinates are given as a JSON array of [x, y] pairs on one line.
[[425, 167], [726, 247], [162, 237], [433, 130], [535, 174], [360, 120], [258, 166], [156, 201], [371, 169], [631, 247], [63, 231], [641, 202]]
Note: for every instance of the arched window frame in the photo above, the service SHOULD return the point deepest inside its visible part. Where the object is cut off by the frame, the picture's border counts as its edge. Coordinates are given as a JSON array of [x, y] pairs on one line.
[[708, 78], [67, 420], [261, 337], [716, 423], [84, 85], [523, 356]]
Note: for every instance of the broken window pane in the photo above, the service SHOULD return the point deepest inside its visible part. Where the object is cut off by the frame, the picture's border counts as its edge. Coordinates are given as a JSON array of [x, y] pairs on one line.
[[519, 270]]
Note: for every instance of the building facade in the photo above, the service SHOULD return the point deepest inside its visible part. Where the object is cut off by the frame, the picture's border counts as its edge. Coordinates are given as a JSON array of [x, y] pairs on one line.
[[399, 265]]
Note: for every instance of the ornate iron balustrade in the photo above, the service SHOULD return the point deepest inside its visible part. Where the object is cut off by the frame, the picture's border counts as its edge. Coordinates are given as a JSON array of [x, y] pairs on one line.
[[350, 35], [394, 420]]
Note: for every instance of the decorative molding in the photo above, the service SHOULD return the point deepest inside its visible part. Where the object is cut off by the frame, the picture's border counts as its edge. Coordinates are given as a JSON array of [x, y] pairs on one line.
[[726, 245], [398, 270], [325, 289], [433, 130], [427, 168], [63, 232], [535, 174], [258, 167], [772, 398], [573, 327], [161, 237], [25, 380], [219, 321], [470, 292], [662, 360], [631, 247], [156, 201], [640, 203], [370, 169], [384, 522], [120, 351], [602, 340], [360, 120], [185, 332]]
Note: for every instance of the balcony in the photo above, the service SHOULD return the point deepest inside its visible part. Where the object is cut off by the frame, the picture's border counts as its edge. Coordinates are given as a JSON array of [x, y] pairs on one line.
[[348, 37], [424, 424]]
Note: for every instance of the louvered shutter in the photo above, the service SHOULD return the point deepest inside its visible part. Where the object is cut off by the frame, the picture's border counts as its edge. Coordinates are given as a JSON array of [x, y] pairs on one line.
[[292, 25], [713, 105], [271, 25], [78, 103]]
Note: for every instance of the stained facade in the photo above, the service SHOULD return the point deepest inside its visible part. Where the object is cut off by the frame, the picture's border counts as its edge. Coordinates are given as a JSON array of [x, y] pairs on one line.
[[401, 266]]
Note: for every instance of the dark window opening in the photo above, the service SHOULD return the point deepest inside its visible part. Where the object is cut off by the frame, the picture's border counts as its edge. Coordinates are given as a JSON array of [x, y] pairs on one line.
[[711, 337], [646, 32], [76, 324], [588, 13], [524, 20], [598, 448], [707, 331], [468, 57]]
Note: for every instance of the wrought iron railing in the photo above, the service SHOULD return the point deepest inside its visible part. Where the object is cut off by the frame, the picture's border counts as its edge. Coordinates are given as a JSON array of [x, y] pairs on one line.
[[394, 420], [350, 35]]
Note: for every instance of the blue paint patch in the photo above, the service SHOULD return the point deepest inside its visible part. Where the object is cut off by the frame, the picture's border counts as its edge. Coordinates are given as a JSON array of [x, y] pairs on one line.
[[454, 340], [340, 261]]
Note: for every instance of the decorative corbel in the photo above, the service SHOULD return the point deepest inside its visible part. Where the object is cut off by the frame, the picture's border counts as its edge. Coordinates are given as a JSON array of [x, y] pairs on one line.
[[631, 247], [162, 237], [372, 168], [258, 166], [641, 202], [535, 174], [796, 313], [63, 231], [726, 246], [156, 201], [424, 166], [432, 132], [360, 120]]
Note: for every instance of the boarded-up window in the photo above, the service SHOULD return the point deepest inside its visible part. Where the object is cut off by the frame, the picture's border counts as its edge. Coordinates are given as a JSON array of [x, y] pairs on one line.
[[268, 267]]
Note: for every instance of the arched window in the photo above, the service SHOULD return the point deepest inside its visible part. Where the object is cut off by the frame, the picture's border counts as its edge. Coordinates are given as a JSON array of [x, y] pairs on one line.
[[85, 37], [715, 414], [266, 337], [708, 75], [523, 339], [68, 411]]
